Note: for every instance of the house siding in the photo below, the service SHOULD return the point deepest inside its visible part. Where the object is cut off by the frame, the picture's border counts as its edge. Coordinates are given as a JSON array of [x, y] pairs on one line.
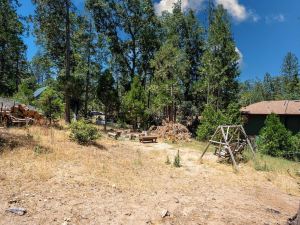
[[254, 123]]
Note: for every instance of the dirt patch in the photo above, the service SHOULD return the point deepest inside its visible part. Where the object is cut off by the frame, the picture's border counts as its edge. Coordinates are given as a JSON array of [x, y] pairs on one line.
[[123, 182]]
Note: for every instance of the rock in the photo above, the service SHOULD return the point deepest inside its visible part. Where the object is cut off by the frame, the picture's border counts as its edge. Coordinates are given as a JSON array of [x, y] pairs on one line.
[[274, 211], [165, 213], [176, 200], [13, 201], [67, 219], [18, 211]]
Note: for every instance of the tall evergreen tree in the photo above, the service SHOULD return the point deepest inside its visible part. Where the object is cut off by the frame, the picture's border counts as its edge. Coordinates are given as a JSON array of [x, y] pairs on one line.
[[134, 102], [107, 93], [290, 73], [13, 65], [53, 26], [170, 65], [220, 61]]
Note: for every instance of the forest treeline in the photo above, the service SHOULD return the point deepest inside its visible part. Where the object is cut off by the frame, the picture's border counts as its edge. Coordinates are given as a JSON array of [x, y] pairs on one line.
[[120, 57]]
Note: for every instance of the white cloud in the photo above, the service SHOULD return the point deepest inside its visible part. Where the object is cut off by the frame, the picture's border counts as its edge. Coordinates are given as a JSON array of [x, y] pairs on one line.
[[167, 5], [241, 60], [234, 8], [280, 18]]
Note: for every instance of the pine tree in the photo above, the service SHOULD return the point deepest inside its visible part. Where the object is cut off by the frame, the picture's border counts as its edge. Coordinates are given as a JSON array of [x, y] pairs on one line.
[[13, 64], [274, 138], [220, 61], [53, 25], [107, 93], [290, 73], [170, 65], [135, 102]]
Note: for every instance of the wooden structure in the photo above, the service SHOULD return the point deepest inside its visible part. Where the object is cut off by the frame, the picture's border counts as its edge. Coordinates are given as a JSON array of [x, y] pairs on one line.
[[144, 139], [287, 110], [114, 135], [18, 115], [229, 142]]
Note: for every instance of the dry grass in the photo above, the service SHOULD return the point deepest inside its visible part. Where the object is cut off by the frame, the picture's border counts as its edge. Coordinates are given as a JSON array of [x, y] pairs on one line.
[[124, 174]]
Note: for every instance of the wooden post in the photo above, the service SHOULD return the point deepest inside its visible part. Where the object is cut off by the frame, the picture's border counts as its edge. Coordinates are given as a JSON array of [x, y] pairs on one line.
[[209, 143], [247, 139]]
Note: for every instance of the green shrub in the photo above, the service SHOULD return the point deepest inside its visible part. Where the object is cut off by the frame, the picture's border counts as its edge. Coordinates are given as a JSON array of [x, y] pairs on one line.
[[274, 139], [51, 104], [176, 162], [83, 133], [212, 118], [294, 154]]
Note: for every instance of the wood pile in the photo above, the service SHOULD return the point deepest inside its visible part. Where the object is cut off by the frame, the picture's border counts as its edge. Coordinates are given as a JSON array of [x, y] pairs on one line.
[[19, 114], [171, 132]]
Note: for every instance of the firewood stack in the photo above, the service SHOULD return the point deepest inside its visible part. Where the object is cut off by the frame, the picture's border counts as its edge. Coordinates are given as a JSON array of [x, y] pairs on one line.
[[171, 132], [18, 114]]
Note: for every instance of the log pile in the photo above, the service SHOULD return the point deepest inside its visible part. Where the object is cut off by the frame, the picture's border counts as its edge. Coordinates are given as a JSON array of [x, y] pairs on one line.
[[171, 132], [19, 114]]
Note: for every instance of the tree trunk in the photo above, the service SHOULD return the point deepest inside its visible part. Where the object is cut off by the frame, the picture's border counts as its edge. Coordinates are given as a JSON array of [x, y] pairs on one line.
[[105, 116], [67, 64], [87, 82]]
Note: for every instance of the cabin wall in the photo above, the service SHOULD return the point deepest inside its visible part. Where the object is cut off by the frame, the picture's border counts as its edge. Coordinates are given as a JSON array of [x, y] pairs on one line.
[[254, 123]]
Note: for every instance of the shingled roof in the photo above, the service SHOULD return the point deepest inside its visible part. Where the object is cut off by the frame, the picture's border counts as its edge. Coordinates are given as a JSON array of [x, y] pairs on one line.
[[7, 103], [284, 107]]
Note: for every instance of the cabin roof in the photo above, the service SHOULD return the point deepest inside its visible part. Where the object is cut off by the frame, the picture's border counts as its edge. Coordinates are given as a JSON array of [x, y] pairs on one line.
[[282, 107]]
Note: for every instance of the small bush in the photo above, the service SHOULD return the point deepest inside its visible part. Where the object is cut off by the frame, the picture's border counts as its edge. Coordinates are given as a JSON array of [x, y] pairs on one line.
[[38, 150], [176, 162], [83, 133], [274, 139], [294, 154]]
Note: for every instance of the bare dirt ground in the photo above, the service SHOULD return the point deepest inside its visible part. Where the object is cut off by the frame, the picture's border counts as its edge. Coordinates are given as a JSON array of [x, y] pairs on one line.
[[123, 182]]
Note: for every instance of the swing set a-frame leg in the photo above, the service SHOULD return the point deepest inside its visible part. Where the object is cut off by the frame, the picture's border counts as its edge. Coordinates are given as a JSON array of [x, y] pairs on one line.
[[207, 146]]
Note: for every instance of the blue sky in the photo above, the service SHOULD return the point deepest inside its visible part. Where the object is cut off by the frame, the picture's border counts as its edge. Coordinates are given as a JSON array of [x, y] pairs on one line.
[[264, 30]]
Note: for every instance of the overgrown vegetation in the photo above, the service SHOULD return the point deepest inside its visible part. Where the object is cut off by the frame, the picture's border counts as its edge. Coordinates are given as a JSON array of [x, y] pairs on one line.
[[177, 160], [51, 104], [138, 67], [212, 118], [83, 133], [275, 140]]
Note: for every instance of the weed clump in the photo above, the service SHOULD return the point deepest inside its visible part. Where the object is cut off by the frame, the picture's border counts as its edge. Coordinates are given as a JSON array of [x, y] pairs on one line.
[[83, 133], [168, 162], [177, 160]]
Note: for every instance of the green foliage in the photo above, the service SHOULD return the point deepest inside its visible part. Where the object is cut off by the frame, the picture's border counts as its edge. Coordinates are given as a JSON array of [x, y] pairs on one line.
[[13, 64], [26, 90], [83, 133], [290, 73], [51, 104], [220, 61], [134, 102], [170, 65], [107, 93], [39, 150], [177, 160], [212, 118], [294, 153], [274, 138], [136, 20]]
